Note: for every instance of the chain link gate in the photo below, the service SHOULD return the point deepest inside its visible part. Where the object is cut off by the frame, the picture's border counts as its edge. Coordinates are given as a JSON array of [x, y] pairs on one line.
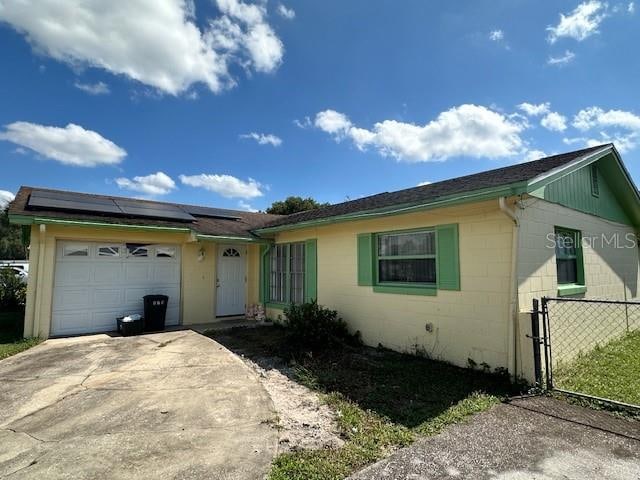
[[588, 349]]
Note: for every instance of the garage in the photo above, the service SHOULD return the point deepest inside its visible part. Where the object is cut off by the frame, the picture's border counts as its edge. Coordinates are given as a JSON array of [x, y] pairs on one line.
[[96, 282]]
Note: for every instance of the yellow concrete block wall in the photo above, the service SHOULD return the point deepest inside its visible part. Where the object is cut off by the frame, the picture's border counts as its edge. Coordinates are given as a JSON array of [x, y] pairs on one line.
[[197, 303], [198, 282], [470, 323], [611, 268]]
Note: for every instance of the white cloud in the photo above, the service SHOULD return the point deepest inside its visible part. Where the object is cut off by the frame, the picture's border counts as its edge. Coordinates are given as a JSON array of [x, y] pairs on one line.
[[242, 205], [264, 139], [623, 142], [304, 123], [426, 182], [243, 32], [155, 42], [609, 126], [533, 110], [158, 183], [597, 117], [631, 8], [531, 155], [333, 122], [225, 185], [71, 145], [99, 88], [496, 35], [564, 59], [5, 198], [581, 23], [465, 130], [288, 13], [554, 121]]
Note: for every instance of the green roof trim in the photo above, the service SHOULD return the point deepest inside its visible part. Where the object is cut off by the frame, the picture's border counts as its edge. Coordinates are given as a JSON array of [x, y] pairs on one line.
[[32, 220], [451, 200], [230, 238], [532, 186], [29, 220]]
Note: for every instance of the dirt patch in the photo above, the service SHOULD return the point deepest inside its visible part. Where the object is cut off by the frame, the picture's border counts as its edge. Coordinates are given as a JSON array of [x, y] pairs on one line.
[[304, 420]]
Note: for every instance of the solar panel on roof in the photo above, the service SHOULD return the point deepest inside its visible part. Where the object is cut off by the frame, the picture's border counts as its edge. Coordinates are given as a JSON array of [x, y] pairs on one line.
[[70, 201], [90, 204], [211, 212], [152, 210]]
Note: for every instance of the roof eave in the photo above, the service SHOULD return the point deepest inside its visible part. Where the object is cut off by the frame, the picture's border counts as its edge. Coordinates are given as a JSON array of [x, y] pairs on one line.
[[516, 188], [35, 220], [445, 201], [230, 238], [570, 167]]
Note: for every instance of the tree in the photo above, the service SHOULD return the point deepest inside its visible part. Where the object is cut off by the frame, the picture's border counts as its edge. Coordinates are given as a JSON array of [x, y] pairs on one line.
[[294, 205], [11, 245]]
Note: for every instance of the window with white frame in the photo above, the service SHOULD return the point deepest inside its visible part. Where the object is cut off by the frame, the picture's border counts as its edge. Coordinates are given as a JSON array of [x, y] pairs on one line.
[[406, 257], [76, 250], [278, 273], [296, 269], [137, 250], [109, 251], [165, 252], [569, 263], [287, 270]]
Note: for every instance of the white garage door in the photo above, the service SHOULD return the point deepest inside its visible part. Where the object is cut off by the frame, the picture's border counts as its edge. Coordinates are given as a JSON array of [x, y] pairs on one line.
[[97, 282]]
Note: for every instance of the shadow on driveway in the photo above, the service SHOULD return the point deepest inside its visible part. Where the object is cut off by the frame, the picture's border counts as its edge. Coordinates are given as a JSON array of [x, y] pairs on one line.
[[538, 438]]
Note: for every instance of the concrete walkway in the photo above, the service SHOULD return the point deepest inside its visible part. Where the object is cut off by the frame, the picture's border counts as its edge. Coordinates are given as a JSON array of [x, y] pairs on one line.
[[170, 405], [532, 439]]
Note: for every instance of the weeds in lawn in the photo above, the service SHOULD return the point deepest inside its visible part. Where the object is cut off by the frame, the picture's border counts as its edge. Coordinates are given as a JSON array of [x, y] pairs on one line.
[[8, 349], [383, 399]]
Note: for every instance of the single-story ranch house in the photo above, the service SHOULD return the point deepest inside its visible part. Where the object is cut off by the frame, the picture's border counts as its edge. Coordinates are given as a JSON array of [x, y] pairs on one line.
[[450, 268]]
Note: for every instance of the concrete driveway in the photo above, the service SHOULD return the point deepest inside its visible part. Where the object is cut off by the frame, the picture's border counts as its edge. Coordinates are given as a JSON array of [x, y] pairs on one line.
[[537, 438], [172, 405]]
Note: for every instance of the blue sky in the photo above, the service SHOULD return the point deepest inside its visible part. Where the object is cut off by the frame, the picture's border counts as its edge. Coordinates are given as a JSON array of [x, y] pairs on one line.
[[238, 104]]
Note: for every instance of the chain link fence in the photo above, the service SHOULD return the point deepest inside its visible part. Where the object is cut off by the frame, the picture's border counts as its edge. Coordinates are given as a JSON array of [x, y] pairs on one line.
[[592, 348]]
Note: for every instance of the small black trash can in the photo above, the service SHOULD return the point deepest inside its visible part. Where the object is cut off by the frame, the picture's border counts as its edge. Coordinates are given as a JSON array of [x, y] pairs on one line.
[[155, 311], [133, 327]]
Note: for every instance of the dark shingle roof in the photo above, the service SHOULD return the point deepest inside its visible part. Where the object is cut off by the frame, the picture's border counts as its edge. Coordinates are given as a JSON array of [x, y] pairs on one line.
[[242, 227], [249, 222], [427, 193]]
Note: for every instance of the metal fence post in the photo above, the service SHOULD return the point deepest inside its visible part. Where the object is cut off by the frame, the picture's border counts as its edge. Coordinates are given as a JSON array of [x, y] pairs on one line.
[[546, 337], [535, 338]]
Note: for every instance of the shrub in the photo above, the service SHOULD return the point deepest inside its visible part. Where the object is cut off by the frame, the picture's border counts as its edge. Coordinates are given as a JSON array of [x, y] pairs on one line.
[[313, 326], [13, 291]]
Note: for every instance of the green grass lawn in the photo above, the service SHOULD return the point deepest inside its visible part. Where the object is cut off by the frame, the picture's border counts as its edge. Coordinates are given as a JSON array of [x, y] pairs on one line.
[[610, 371], [383, 400], [11, 341]]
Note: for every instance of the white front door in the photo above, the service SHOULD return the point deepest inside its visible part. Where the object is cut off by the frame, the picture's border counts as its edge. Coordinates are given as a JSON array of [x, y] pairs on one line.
[[231, 281]]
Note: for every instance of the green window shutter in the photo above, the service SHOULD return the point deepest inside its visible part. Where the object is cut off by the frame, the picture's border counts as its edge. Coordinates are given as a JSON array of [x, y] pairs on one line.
[[310, 270], [264, 273], [365, 259], [448, 262]]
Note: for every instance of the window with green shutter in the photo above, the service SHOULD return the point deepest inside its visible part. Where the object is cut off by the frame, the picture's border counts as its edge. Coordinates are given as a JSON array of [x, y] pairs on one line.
[[413, 262], [289, 273]]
